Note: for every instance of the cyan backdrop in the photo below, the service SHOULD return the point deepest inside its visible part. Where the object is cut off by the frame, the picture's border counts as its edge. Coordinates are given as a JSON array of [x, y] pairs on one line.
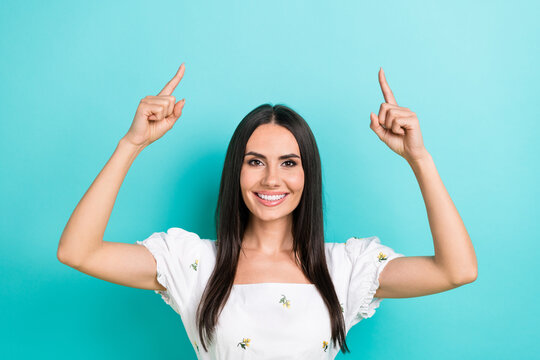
[[72, 75]]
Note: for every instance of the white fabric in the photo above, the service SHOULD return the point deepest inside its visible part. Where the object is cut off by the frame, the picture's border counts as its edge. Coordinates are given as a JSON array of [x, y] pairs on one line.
[[268, 320]]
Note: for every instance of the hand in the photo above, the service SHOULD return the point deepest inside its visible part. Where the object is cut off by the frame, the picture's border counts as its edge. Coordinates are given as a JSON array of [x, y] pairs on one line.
[[397, 126], [156, 114]]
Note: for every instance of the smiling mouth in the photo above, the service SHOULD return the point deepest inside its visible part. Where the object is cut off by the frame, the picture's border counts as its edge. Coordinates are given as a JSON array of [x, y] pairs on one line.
[[270, 200]]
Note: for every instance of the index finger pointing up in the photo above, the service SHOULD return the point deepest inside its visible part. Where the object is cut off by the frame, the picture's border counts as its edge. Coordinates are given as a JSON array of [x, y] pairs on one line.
[[388, 95], [171, 85]]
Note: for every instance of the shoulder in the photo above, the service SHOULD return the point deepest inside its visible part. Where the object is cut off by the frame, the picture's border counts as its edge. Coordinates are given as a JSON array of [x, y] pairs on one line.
[[192, 242], [180, 234], [180, 243], [352, 247], [342, 258]]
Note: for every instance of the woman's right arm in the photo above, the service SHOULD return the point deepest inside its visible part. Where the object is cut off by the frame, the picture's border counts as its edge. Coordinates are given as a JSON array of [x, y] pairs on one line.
[[81, 244]]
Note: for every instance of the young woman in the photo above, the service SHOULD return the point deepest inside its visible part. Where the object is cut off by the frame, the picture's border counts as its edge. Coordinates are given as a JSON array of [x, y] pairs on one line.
[[269, 286]]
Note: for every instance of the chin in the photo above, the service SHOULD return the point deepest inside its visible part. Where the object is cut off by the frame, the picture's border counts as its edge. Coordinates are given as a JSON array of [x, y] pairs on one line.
[[271, 217], [269, 214]]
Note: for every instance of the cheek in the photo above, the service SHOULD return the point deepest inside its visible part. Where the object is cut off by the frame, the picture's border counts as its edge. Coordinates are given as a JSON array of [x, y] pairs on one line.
[[246, 179], [296, 181]]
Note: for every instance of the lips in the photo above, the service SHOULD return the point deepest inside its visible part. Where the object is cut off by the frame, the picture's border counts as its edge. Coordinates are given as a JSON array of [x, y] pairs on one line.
[[270, 202], [271, 192]]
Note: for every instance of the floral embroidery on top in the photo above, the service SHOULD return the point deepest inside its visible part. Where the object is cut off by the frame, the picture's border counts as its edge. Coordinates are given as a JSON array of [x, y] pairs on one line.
[[325, 345], [285, 302], [197, 346], [244, 343], [194, 265], [341, 304], [382, 257]]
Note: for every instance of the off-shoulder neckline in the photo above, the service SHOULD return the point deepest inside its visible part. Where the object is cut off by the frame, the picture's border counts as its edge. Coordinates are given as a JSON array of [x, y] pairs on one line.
[[273, 283]]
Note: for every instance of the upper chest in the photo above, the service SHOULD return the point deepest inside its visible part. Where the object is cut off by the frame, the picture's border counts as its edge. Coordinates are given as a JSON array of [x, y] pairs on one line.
[[256, 268]]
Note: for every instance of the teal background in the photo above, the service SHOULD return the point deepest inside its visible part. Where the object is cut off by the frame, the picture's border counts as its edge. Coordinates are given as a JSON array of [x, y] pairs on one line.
[[72, 75]]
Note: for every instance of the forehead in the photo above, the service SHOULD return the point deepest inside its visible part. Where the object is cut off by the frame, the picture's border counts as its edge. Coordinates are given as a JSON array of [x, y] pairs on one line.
[[272, 139]]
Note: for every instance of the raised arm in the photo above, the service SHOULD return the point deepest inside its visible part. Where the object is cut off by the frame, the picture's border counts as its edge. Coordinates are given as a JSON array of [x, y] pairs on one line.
[[81, 245], [454, 262]]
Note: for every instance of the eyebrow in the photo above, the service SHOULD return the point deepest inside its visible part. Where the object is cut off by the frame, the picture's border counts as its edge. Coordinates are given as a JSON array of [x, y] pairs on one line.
[[288, 156]]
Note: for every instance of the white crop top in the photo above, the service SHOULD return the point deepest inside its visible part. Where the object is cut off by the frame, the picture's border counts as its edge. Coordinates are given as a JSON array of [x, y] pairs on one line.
[[268, 320]]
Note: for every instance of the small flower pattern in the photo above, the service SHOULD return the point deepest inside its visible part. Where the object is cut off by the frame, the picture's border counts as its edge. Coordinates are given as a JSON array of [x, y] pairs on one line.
[[244, 343], [286, 303], [325, 345]]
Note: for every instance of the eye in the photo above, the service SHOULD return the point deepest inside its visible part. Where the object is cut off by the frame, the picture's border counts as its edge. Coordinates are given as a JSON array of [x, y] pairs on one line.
[[290, 162], [250, 161], [293, 163]]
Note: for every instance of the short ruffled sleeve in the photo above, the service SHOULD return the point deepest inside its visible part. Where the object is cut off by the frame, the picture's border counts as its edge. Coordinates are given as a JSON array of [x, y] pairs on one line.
[[177, 253], [367, 258]]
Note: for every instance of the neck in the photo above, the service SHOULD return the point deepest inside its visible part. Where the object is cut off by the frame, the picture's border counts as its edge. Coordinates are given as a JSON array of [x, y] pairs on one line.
[[269, 237]]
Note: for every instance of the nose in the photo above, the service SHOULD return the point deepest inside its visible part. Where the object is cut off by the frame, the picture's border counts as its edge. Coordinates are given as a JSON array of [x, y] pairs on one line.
[[271, 177]]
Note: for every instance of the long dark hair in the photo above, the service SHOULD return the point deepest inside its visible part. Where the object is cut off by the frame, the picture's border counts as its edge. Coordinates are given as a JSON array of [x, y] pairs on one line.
[[232, 214]]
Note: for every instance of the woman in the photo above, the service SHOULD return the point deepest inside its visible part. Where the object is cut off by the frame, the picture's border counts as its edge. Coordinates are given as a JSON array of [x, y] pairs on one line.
[[269, 286]]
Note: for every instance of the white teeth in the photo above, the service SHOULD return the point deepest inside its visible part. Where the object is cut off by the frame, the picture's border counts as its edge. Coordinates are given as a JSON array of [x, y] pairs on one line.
[[271, 197]]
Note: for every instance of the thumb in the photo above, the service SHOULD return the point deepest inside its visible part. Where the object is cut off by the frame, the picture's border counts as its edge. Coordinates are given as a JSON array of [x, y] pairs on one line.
[[178, 107], [375, 126]]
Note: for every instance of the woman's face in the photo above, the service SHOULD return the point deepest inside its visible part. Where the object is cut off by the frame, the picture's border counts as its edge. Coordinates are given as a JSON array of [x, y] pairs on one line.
[[272, 166]]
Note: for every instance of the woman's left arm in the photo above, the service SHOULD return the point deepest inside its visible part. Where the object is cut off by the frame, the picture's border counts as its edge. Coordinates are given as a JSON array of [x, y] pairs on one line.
[[454, 251], [454, 262]]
